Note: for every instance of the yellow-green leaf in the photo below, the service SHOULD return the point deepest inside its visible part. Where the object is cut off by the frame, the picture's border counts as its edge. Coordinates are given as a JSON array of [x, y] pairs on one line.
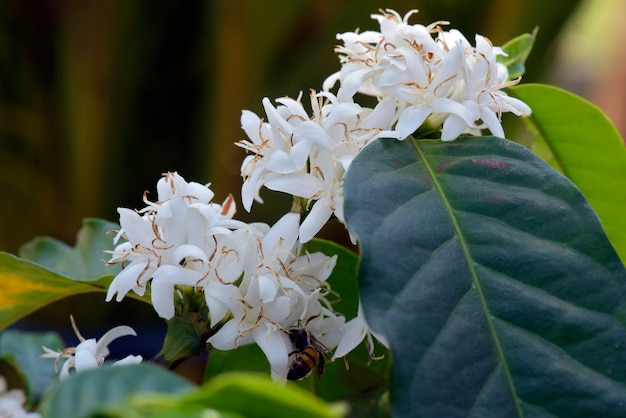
[[26, 287], [586, 147]]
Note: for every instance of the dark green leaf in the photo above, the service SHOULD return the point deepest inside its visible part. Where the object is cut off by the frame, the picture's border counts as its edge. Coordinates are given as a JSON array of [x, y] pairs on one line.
[[84, 393], [585, 146], [517, 50], [492, 279], [82, 262], [23, 349]]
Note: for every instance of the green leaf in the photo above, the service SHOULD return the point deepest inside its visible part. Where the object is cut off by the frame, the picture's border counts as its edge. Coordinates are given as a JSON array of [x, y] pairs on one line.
[[26, 287], [82, 262], [230, 395], [84, 393], [586, 147], [257, 396], [517, 50], [23, 349], [492, 279], [184, 338]]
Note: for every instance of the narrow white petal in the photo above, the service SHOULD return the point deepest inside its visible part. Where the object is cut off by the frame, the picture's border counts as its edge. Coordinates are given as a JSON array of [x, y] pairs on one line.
[[127, 280], [268, 287], [453, 126], [354, 332], [228, 337], [280, 162], [251, 124], [281, 237], [221, 299], [163, 282], [114, 333], [67, 366], [315, 220], [131, 359], [490, 119], [312, 132], [411, 118], [136, 228], [276, 347], [296, 184]]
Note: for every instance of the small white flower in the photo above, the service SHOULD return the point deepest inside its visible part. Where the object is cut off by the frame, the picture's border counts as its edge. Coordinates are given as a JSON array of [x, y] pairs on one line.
[[90, 353], [12, 402]]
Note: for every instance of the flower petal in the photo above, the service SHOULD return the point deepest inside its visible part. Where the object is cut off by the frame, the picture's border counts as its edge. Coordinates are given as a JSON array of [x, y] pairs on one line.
[[296, 184], [276, 346]]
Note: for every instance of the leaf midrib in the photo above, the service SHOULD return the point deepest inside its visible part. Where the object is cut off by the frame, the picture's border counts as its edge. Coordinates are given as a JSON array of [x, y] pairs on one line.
[[474, 275]]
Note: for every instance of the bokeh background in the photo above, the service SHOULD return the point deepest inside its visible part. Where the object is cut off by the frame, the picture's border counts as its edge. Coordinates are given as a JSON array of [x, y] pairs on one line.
[[98, 98]]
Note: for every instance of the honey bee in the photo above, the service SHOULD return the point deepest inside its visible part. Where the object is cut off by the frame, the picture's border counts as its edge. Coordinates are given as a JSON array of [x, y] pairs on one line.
[[309, 352]]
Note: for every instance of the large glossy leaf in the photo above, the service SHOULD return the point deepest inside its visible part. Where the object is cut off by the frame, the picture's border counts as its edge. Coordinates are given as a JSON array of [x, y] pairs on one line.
[[26, 287], [584, 145], [491, 277], [84, 393]]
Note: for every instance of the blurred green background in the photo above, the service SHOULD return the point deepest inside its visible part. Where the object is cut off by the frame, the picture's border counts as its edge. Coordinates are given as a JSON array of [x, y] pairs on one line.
[[98, 98]]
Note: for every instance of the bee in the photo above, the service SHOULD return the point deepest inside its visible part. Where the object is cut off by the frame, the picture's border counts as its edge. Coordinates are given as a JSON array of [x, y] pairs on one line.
[[309, 352]]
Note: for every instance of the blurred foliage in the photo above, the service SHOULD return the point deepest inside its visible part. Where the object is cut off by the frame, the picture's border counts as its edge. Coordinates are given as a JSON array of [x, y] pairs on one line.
[[98, 98]]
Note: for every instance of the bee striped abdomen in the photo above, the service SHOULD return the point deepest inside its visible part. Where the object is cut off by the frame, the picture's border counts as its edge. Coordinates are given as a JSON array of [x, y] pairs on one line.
[[303, 364]]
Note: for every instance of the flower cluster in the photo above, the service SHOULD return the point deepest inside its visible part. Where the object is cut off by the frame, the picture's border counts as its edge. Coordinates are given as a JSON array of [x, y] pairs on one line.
[[257, 284], [421, 76], [443, 79], [308, 156], [89, 353]]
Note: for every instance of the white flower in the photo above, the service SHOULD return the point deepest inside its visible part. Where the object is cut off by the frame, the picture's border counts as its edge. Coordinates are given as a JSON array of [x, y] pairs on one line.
[[441, 79], [307, 156], [12, 402], [280, 291], [90, 353], [183, 239], [354, 332]]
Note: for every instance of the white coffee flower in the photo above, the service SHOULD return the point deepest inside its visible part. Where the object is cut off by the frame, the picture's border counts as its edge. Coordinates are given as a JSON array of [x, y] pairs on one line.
[[181, 240], [307, 156], [280, 292], [433, 76], [90, 353]]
